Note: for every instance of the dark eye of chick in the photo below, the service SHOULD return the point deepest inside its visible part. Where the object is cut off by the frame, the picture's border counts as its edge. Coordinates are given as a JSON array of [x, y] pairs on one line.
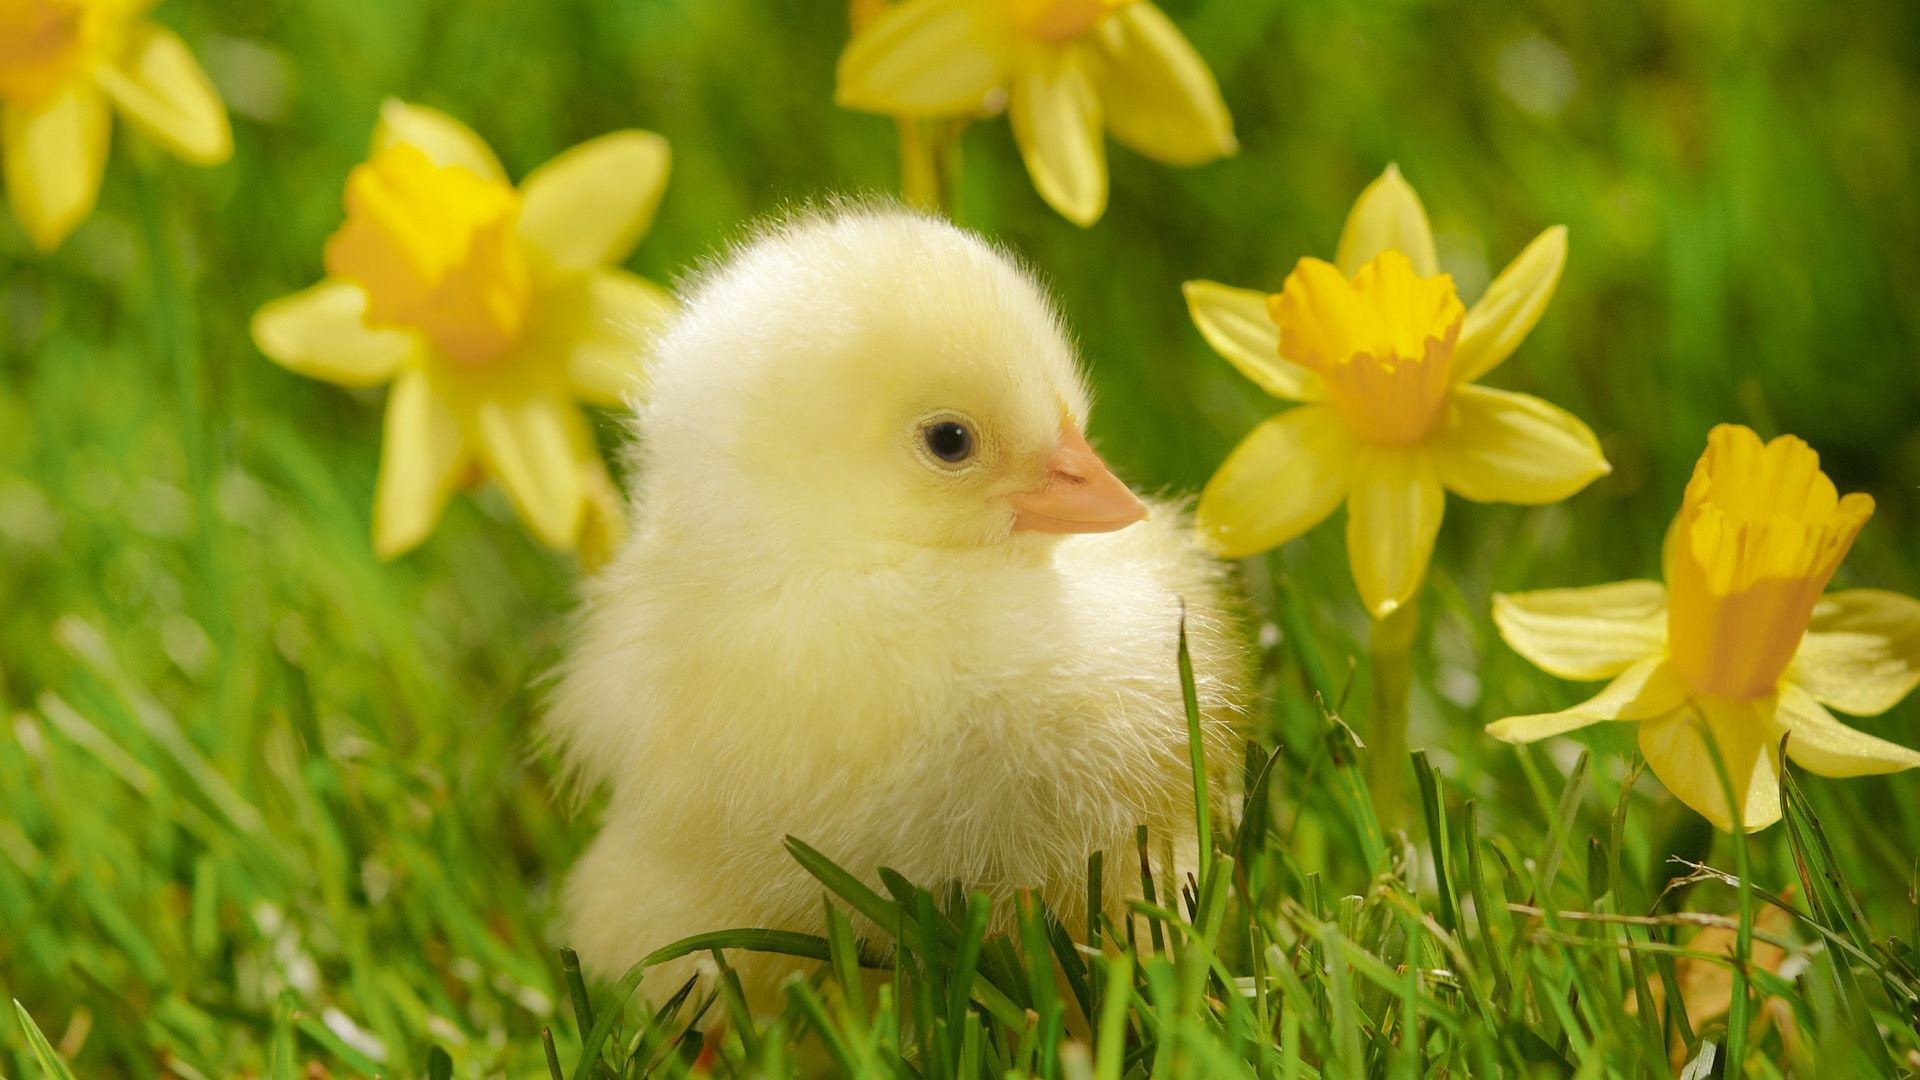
[[949, 441]]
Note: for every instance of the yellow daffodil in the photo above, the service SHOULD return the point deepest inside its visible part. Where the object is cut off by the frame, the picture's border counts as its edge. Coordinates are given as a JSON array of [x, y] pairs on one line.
[[492, 311], [1382, 354], [63, 63], [1704, 977], [1066, 70], [1739, 644]]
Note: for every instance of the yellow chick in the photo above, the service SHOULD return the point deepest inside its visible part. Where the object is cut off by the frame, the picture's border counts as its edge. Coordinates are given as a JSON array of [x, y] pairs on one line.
[[882, 596]]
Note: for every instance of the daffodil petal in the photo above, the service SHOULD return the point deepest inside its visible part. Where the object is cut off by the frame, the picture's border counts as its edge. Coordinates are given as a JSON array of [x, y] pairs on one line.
[[1502, 318], [1158, 95], [421, 460], [1393, 516], [1284, 478], [1235, 322], [318, 332], [1706, 985], [607, 356], [446, 141], [161, 89], [1387, 217], [603, 522], [1499, 446], [1056, 122], [528, 445], [1861, 654], [591, 204], [54, 153], [1824, 745], [1675, 747], [1591, 633], [922, 58], [1644, 690]]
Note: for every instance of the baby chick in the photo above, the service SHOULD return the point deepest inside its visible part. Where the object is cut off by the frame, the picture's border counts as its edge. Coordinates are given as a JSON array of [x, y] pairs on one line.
[[881, 595]]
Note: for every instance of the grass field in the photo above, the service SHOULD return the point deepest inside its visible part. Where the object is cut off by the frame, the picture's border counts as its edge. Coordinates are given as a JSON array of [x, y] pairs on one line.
[[270, 806]]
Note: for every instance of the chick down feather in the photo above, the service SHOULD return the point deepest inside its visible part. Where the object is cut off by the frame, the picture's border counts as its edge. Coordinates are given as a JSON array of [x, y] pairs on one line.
[[816, 629]]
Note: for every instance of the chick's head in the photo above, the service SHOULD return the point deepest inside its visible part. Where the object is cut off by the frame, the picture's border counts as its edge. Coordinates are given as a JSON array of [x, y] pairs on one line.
[[875, 378]]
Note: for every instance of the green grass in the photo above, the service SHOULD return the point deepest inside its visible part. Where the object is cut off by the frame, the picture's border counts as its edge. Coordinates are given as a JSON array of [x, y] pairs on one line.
[[267, 802]]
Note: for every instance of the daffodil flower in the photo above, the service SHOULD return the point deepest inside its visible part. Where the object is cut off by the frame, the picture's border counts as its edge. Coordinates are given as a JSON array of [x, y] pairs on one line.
[[492, 311], [63, 65], [1383, 356], [1739, 645], [1066, 70]]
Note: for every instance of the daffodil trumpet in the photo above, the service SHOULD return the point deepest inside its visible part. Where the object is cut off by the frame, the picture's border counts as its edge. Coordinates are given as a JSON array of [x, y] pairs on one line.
[[1740, 649]]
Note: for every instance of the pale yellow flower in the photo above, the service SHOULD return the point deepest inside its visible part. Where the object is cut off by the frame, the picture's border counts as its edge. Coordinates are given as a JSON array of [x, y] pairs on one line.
[[492, 311], [1066, 70], [63, 64], [1706, 985], [1382, 354], [1739, 643]]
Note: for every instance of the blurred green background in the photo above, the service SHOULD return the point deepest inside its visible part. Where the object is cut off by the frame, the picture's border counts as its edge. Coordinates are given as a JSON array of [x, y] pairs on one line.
[[256, 783]]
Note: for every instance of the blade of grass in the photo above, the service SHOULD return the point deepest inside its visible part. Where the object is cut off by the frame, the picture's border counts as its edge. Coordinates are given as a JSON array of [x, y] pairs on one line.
[[351, 1056], [886, 913], [738, 1014], [966, 956], [783, 942], [1298, 629], [1039, 957], [1563, 823], [1433, 806], [1072, 966], [43, 1052], [283, 1050], [1147, 891], [1256, 817], [577, 989], [845, 957], [1350, 789], [1739, 1005], [1484, 907], [815, 1012], [1197, 754], [1833, 906]]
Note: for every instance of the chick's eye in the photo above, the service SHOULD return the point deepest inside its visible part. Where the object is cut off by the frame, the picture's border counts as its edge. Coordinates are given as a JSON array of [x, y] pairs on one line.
[[950, 441]]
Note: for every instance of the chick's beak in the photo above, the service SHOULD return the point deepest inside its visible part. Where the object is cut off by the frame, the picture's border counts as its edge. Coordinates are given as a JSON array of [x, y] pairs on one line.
[[1079, 495]]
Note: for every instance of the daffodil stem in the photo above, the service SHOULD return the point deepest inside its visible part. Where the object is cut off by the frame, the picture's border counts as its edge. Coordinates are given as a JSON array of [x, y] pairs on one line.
[[1390, 652], [170, 309], [930, 163]]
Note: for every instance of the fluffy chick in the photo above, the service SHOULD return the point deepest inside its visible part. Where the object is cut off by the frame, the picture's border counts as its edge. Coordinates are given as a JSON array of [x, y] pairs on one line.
[[882, 596]]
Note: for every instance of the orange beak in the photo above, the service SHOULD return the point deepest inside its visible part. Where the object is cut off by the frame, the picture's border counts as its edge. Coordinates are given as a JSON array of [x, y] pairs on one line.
[[1080, 495]]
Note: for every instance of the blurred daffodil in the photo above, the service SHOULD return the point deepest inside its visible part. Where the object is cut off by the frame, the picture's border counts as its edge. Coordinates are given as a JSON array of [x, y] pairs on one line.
[[1066, 70], [1704, 976], [63, 65], [492, 311], [1382, 354], [1739, 644]]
